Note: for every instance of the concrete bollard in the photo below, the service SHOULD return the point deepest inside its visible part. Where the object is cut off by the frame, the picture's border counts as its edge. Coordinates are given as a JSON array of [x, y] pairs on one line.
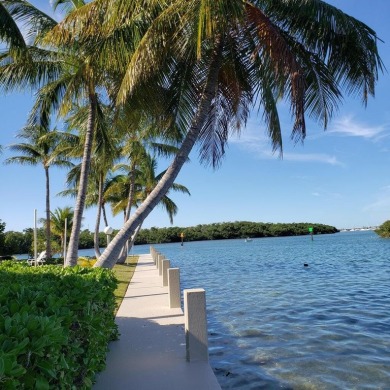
[[174, 287], [165, 265], [196, 325], [160, 260]]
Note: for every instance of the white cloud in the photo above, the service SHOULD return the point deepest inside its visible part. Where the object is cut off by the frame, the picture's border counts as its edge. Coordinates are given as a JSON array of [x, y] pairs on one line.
[[254, 140], [347, 126], [312, 157], [258, 144]]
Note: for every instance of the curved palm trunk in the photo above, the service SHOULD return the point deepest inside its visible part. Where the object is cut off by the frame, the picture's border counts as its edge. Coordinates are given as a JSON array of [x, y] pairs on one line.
[[134, 236], [110, 256], [123, 254], [48, 230], [72, 255], [130, 199], [104, 214], [99, 212], [128, 246]]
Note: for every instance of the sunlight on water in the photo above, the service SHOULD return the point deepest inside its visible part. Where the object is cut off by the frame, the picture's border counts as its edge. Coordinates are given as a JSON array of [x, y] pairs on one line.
[[275, 324]]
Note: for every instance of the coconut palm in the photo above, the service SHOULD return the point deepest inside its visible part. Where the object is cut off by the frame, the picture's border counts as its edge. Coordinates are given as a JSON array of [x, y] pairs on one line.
[[144, 182], [60, 218], [41, 147], [219, 59], [65, 74], [212, 62], [105, 151]]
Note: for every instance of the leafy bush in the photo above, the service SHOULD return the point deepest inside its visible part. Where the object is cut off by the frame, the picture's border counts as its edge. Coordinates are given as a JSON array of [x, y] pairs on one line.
[[384, 229], [55, 325], [86, 262]]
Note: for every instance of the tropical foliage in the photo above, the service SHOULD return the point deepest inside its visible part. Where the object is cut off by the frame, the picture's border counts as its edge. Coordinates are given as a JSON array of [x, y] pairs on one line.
[[12, 243], [230, 230], [2, 238], [191, 71], [55, 325], [384, 229], [40, 147]]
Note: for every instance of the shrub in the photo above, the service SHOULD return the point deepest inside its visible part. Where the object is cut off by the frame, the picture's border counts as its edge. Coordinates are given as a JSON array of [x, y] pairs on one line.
[[55, 325], [384, 229]]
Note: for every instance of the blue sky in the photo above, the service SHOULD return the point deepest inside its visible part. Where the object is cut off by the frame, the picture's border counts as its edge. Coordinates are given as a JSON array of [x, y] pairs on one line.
[[339, 177]]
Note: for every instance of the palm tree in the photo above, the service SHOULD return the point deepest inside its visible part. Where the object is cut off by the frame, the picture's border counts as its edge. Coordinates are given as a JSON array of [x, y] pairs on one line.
[[144, 181], [65, 74], [59, 218], [212, 62], [105, 151], [220, 59], [40, 147]]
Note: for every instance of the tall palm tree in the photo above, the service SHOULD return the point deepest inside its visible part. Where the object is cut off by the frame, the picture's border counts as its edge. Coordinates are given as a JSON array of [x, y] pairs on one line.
[[220, 59], [105, 151], [40, 148], [64, 74]]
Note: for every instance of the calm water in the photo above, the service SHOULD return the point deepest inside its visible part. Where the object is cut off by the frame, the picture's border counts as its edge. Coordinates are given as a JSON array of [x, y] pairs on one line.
[[275, 324]]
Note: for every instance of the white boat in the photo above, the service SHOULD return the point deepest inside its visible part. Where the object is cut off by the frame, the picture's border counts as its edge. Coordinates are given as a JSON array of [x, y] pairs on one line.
[[248, 239]]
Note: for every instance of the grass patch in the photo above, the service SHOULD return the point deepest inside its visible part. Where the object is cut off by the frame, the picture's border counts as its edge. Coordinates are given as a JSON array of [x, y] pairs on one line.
[[124, 273]]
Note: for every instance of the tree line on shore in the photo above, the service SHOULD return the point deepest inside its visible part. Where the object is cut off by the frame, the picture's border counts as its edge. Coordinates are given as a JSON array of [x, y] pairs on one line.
[[12, 242], [230, 230]]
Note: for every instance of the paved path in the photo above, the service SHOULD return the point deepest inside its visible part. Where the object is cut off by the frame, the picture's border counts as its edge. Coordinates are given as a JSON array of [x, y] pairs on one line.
[[150, 354]]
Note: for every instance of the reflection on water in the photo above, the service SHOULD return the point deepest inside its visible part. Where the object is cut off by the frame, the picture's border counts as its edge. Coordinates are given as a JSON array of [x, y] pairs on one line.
[[275, 324]]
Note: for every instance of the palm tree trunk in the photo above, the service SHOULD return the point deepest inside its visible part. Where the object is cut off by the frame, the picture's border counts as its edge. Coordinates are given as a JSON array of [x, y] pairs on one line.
[[48, 230], [128, 246], [125, 249], [111, 254], [130, 198], [99, 212], [72, 254], [134, 236], [104, 214]]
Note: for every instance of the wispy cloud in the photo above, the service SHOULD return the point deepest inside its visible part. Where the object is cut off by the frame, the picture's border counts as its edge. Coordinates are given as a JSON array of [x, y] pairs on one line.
[[326, 194], [382, 202], [312, 157], [347, 126], [259, 145]]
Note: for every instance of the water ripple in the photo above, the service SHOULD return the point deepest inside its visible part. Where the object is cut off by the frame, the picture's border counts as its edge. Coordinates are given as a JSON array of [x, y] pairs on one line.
[[275, 324]]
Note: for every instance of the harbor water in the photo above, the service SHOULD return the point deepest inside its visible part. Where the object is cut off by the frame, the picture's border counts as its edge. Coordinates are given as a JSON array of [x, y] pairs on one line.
[[277, 324]]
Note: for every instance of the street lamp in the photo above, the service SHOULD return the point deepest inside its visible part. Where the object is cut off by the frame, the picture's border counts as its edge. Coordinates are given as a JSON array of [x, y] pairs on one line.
[[108, 231]]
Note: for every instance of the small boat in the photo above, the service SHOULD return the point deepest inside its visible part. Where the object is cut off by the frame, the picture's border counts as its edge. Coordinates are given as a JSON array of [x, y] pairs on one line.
[[248, 239]]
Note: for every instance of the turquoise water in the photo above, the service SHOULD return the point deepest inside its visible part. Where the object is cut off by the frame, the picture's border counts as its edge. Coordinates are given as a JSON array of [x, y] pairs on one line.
[[275, 324]]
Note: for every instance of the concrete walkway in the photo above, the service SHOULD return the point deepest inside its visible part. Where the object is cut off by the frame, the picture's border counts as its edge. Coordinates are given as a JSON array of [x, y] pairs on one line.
[[151, 351]]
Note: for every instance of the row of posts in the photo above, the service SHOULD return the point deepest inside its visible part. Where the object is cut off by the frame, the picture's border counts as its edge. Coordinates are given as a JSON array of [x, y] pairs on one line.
[[194, 308]]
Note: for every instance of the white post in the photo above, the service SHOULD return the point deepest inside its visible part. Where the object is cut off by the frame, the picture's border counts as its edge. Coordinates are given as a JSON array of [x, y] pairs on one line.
[[196, 324], [174, 287], [165, 265], [35, 238], [160, 260], [108, 231], [65, 234]]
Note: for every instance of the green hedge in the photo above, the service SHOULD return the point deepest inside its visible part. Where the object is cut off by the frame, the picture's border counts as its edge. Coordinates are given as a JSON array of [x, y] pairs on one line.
[[55, 325]]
